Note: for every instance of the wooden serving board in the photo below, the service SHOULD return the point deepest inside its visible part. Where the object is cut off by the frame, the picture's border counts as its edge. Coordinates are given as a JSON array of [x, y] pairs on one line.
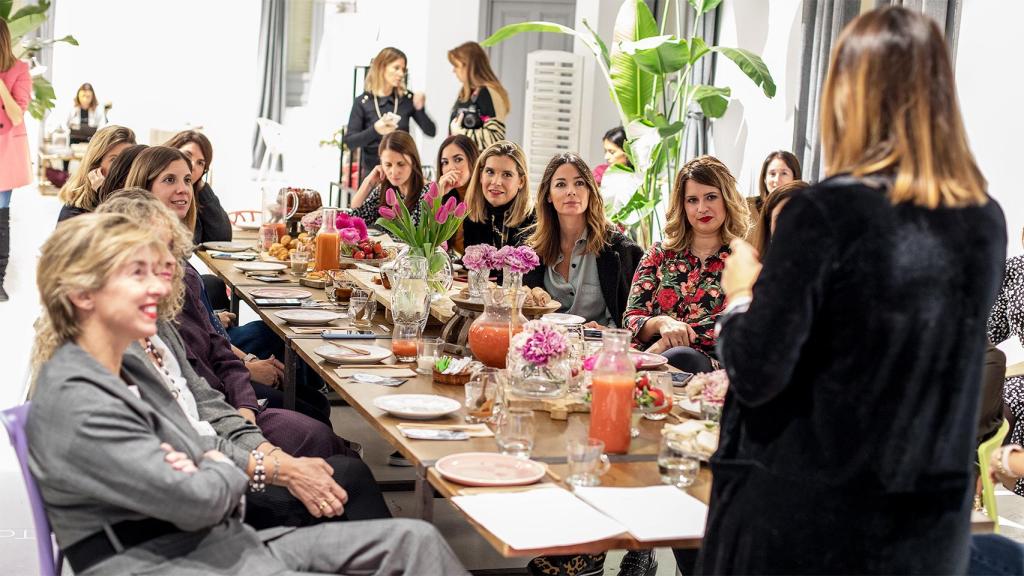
[[558, 408]]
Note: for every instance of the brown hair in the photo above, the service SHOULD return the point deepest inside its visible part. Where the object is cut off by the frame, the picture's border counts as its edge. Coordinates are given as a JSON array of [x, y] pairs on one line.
[[402, 142], [478, 72], [375, 77], [78, 191], [118, 173], [522, 205], [468, 148], [709, 171], [546, 234], [789, 158], [85, 86], [199, 139], [775, 199], [150, 163], [7, 58], [890, 106]]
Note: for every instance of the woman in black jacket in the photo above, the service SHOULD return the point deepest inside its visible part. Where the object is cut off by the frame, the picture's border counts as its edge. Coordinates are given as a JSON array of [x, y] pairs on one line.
[[212, 221], [500, 207], [384, 107], [587, 263], [855, 361]]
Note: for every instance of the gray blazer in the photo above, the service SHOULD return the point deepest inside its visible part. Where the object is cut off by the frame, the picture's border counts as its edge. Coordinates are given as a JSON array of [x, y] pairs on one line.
[[95, 452], [236, 436]]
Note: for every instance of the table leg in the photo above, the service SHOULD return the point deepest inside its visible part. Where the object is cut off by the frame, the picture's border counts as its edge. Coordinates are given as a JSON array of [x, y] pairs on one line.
[[424, 497], [290, 371], [235, 300]]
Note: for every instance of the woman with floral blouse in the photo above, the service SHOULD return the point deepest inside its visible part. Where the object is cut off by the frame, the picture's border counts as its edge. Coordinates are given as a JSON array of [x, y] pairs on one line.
[[677, 291]]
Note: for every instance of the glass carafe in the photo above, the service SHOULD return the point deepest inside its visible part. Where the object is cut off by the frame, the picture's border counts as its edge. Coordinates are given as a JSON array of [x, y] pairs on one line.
[[612, 383], [327, 242], [491, 332], [278, 207], [410, 292]]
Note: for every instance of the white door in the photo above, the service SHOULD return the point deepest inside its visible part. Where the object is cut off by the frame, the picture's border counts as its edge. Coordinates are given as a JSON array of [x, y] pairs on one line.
[[509, 57]]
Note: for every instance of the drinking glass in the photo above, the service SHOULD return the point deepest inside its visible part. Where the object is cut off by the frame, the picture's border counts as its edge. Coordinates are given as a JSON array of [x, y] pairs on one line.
[[362, 307], [300, 262], [587, 461], [428, 350], [268, 236], [515, 432], [677, 464], [479, 404], [662, 382], [403, 340], [494, 378]]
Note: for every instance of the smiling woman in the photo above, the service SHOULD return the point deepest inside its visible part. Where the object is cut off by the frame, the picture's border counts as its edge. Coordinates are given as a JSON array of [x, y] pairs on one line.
[[499, 201], [167, 173]]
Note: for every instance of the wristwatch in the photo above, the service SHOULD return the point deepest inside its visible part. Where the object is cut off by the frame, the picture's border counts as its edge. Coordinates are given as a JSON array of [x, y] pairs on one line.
[[249, 358]]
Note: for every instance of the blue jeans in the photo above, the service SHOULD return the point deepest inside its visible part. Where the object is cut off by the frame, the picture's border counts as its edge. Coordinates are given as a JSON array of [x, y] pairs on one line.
[[996, 555], [5, 198]]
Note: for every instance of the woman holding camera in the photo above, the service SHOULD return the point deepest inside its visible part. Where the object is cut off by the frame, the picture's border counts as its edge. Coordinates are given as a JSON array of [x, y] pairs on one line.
[[483, 105], [384, 107]]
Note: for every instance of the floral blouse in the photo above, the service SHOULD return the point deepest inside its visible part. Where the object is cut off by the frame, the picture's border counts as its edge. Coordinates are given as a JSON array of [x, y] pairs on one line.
[[670, 283]]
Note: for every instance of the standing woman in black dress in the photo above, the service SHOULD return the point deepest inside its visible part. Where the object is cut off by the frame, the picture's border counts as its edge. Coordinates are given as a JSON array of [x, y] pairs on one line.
[[384, 107], [855, 360], [483, 105]]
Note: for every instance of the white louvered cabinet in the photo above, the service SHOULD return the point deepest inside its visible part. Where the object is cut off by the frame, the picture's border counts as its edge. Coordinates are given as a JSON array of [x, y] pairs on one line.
[[551, 122]]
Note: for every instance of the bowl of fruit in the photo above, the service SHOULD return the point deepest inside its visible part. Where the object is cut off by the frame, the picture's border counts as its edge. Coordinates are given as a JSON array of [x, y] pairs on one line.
[[365, 251]]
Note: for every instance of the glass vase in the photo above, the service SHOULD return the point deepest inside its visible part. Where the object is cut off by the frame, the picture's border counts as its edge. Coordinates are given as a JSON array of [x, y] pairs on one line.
[[478, 282], [511, 280], [539, 380]]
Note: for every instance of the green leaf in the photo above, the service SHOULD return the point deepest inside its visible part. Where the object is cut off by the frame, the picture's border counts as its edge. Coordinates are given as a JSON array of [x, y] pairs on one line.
[[43, 98], [704, 6], [638, 208], [5, 9], [659, 54], [599, 43], [42, 89], [697, 49], [30, 10], [620, 168], [25, 25], [713, 100], [751, 65], [511, 30], [69, 39], [632, 85]]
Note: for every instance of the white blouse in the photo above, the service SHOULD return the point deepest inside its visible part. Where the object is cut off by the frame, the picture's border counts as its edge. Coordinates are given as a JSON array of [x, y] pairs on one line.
[[179, 389]]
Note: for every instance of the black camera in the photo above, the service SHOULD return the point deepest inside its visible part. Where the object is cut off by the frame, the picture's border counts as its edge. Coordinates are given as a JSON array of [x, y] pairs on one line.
[[470, 117]]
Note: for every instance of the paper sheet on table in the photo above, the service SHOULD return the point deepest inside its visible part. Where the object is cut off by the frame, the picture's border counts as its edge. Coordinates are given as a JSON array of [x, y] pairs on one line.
[[538, 518], [678, 515], [382, 371]]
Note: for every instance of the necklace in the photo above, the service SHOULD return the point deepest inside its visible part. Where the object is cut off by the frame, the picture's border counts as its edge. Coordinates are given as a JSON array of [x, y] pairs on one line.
[[376, 106], [158, 359]]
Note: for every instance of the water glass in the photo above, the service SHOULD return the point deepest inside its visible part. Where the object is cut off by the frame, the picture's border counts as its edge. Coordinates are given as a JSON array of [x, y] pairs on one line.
[[494, 378], [515, 432], [428, 350], [362, 308], [480, 394], [300, 262], [677, 464], [587, 461], [403, 340], [268, 236]]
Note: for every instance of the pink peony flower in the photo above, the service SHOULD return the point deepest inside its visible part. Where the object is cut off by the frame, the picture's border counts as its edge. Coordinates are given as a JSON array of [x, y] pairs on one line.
[[386, 212], [390, 197], [478, 257], [347, 221], [520, 259], [349, 235], [541, 342]]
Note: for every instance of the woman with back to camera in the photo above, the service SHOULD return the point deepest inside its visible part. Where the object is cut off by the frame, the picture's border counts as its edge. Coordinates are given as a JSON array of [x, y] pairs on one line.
[[86, 113], [80, 193], [212, 222], [483, 105], [855, 355], [677, 290], [456, 159], [15, 94], [385, 106], [769, 216], [118, 173]]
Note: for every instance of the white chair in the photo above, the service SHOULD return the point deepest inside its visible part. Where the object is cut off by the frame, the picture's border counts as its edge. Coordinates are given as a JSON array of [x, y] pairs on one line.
[[272, 134]]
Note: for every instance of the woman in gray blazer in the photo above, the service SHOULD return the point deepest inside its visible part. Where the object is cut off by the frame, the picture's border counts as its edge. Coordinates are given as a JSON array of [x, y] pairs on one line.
[[129, 489]]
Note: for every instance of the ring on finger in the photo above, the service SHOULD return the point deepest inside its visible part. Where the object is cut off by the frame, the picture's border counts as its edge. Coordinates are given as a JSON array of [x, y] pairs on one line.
[[322, 505]]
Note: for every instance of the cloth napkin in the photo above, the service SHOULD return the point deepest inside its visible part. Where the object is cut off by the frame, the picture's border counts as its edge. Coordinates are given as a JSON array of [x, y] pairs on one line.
[[382, 371]]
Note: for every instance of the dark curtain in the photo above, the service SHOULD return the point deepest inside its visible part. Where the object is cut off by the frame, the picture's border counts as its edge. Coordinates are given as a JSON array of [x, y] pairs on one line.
[[272, 74]]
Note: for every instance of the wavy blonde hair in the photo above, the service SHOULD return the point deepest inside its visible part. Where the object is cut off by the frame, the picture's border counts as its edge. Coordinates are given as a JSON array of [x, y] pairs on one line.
[[78, 191], [80, 255], [150, 163], [141, 206], [709, 171], [522, 205], [546, 234]]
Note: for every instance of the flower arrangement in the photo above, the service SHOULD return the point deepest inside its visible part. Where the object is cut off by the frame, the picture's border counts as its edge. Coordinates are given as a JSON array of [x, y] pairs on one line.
[[518, 259], [480, 257], [351, 229], [438, 222], [541, 342], [716, 384]]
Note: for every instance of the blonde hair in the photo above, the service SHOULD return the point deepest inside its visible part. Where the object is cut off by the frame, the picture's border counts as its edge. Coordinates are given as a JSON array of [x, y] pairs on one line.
[[546, 234], [522, 204], [80, 255], [7, 58], [78, 191], [380, 62], [141, 206], [478, 72], [150, 163], [890, 106], [709, 171]]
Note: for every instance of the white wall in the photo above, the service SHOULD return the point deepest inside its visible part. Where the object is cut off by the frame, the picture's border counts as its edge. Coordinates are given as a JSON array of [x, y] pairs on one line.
[[599, 113]]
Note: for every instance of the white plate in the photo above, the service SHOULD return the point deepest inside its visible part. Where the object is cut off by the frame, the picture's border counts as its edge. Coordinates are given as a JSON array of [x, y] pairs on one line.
[[248, 225], [260, 266], [337, 355], [489, 469], [305, 317], [228, 246], [417, 406], [280, 293], [564, 319]]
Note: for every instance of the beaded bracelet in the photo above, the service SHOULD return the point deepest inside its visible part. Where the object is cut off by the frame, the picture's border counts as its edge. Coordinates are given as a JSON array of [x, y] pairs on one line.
[[277, 466], [259, 473]]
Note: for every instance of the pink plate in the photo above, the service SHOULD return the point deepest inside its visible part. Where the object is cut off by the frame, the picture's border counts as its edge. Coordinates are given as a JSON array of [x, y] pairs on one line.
[[280, 293], [648, 360], [489, 469]]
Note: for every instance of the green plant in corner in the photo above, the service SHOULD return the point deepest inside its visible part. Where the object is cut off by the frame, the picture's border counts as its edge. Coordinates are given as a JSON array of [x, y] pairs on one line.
[[24, 21], [649, 74]]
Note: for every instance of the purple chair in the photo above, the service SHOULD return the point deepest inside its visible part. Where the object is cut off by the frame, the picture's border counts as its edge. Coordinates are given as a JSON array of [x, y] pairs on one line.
[[14, 420]]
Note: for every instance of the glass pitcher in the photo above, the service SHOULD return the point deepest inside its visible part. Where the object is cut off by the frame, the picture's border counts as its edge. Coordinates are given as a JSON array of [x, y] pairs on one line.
[[612, 384], [491, 332], [279, 206], [410, 292]]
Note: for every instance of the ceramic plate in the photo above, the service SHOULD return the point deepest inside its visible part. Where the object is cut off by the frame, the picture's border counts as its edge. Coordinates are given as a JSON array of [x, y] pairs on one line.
[[648, 360], [489, 469], [248, 225], [304, 317], [280, 293], [417, 406], [260, 266], [228, 246], [336, 355], [564, 319]]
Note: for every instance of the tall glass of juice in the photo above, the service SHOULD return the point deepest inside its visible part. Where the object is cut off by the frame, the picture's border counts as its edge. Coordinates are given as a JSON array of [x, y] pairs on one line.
[[612, 392]]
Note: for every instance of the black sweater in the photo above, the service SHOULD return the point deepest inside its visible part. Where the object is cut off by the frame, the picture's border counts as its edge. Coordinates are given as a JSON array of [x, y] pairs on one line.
[[493, 230], [212, 223], [360, 133]]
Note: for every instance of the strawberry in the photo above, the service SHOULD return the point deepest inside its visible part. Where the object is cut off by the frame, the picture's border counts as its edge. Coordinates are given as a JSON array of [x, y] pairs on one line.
[[359, 255]]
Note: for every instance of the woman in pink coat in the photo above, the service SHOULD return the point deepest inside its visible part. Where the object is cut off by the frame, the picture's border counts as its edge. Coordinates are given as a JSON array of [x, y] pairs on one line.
[[15, 93]]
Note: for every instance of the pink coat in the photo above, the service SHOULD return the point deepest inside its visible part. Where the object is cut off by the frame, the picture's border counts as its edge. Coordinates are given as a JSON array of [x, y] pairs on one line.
[[15, 169]]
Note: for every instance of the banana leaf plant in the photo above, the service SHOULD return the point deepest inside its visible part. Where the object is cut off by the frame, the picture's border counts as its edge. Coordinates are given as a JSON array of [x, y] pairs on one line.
[[21, 23], [649, 75]]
